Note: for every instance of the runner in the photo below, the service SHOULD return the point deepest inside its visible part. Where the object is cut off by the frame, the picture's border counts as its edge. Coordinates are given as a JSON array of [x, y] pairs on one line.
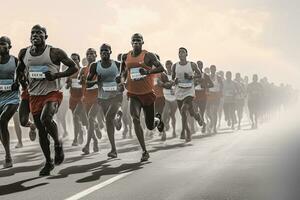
[[240, 98], [9, 95], [229, 93], [137, 71], [126, 119], [170, 100], [255, 93], [110, 93], [203, 83], [90, 103], [75, 103], [182, 74], [220, 109], [41, 63], [213, 100]]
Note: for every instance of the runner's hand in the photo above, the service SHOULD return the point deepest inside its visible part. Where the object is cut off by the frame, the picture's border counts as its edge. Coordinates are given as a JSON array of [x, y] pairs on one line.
[[187, 76], [15, 86], [143, 71], [50, 76], [118, 79]]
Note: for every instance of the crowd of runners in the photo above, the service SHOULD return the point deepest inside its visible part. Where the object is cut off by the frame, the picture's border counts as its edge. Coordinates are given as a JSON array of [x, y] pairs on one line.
[[107, 94]]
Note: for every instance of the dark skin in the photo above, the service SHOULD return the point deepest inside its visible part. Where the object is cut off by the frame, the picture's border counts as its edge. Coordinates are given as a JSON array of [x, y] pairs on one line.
[[44, 119], [206, 82], [165, 82], [149, 60], [183, 61], [58, 56]]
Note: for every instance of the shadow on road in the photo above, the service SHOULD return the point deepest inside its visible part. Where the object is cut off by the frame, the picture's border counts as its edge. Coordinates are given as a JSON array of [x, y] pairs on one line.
[[18, 186]]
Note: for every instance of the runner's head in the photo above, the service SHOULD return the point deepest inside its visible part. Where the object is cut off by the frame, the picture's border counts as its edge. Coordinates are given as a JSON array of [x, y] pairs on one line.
[[91, 55], [137, 41], [84, 62], [38, 35], [169, 65], [200, 65], [228, 75], [182, 53], [76, 58], [255, 78], [5, 45], [221, 74], [207, 70], [105, 51], [238, 76], [213, 69]]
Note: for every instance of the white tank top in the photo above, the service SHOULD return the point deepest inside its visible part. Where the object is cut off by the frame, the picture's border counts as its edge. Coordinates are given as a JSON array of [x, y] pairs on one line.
[[169, 94], [35, 68], [216, 87], [185, 87]]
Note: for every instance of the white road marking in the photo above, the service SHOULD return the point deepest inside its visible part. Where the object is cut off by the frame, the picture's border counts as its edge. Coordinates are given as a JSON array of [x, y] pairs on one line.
[[97, 187]]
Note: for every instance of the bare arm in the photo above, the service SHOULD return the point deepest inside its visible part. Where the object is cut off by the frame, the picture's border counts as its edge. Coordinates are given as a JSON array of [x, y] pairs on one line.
[[152, 60], [61, 57]]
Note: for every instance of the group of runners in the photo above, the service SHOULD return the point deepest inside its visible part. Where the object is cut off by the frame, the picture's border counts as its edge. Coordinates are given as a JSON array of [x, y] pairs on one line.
[[111, 94]]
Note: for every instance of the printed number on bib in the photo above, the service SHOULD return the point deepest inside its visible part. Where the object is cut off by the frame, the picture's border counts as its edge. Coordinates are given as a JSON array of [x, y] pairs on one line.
[[110, 87], [135, 74], [5, 84], [37, 72], [185, 84], [75, 83], [198, 87]]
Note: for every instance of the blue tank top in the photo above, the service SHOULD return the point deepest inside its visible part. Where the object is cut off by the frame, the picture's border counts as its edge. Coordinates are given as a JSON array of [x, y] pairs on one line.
[[108, 88], [7, 75]]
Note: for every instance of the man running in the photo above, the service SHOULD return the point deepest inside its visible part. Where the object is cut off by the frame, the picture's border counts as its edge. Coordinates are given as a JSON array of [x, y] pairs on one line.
[[75, 103], [41, 63], [203, 83], [240, 98], [182, 74], [110, 93], [229, 93], [170, 100], [255, 92], [138, 72], [213, 100], [90, 103], [9, 95]]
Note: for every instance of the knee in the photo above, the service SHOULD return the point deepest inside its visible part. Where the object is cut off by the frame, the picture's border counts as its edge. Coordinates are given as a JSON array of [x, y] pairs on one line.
[[46, 119], [24, 120], [184, 108]]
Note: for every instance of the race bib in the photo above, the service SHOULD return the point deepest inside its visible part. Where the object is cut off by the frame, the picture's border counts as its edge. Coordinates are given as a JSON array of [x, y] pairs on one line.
[[155, 80], [110, 87], [37, 72], [185, 84], [198, 87], [93, 88], [75, 83], [135, 74], [5, 84]]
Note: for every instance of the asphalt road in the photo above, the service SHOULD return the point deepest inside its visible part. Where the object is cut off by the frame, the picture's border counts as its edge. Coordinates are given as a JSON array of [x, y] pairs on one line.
[[232, 165]]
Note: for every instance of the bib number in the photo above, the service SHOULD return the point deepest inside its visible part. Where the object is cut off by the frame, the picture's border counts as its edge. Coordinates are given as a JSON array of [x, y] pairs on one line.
[[93, 88], [5, 84], [110, 87], [135, 74], [37, 72], [185, 84]]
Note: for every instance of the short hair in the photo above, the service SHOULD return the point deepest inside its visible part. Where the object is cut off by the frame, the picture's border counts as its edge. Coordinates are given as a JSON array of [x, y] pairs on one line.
[[183, 48], [5, 39], [91, 49], [105, 45], [137, 35], [37, 26], [76, 54]]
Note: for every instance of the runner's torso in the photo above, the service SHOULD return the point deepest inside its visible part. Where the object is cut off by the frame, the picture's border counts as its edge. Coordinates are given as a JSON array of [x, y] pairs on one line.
[[35, 68]]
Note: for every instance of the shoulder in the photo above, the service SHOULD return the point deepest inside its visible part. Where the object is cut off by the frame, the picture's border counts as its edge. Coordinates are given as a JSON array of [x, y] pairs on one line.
[[22, 53]]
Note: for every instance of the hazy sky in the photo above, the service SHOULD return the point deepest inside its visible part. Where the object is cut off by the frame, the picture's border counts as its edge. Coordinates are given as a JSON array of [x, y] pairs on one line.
[[249, 36]]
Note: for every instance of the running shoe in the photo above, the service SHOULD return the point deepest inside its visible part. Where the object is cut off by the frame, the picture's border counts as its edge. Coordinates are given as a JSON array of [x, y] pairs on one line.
[[45, 171], [145, 156]]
